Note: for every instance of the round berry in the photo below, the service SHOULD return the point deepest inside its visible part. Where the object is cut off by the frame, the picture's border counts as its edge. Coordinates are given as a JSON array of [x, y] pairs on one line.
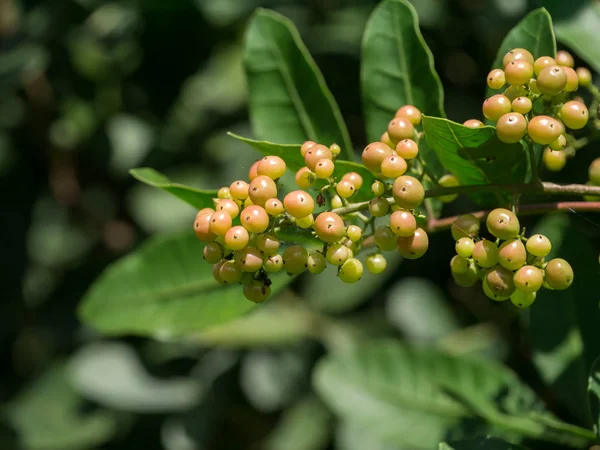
[[335, 150], [379, 207], [559, 143], [274, 206], [564, 58], [351, 271], [374, 154], [385, 239], [378, 188], [315, 154], [229, 206], [408, 192], [533, 86], [257, 291], [468, 278], [574, 115], [487, 290], [594, 171], [459, 264], [400, 128], [306, 222], [255, 219], [385, 138], [539, 245], [345, 188], [512, 254], [248, 202], [552, 80], [496, 79], [376, 263], [558, 274], [324, 168], [267, 244], [473, 123], [393, 166], [354, 178], [572, 80], [253, 171], [554, 160], [528, 279], [517, 54], [584, 76], [542, 62], [316, 262], [212, 253], [448, 180], [202, 228], [485, 253], [220, 222], [336, 202], [295, 259], [514, 91], [500, 281], [464, 247], [415, 246], [543, 129], [237, 238], [496, 106], [466, 225], [407, 149], [250, 259], [337, 254], [354, 233], [224, 192], [273, 263], [518, 72], [216, 269], [271, 166], [411, 113], [522, 105], [230, 272], [239, 190], [329, 227], [299, 204], [522, 299], [307, 146], [503, 223], [403, 223], [305, 179], [261, 189], [511, 127]]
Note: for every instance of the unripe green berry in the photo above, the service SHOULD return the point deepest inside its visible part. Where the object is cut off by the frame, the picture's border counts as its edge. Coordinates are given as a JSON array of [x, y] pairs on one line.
[[335, 149], [324, 168], [518, 72], [564, 58], [448, 180], [522, 105], [224, 192], [552, 80], [496, 79], [274, 207], [542, 62], [216, 269], [559, 143], [337, 254], [411, 113], [220, 222], [503, 223], [379, 207], [305, 179], [517, 54], [295, 259], [511, 127], [351, 271], [403, 223], [271, 166], [273, 263], [212, 253], [515, 91], [468, 278], [230, 272], [306, 222], [316, 262], [473, 123], [315, 154], [594, 171], [572, 80], [512, 254], [299, 204], [458, 264], [268, 244], [407, 149], [574, 115], [355, 178], [485, 253], [464, 247], [528, 279], [496, 106], [408, 192], [533, 86], [345, 188], [378, 188], [354, 233], [255, 219], [239, 189], [376, 263], [554, 160], [539, 245], [584, 76], [257, 292], [400, 128], [393, 166], [237, 238], [522, 299], [250, 259], [336, 202], [558, 274], [415, 246], [500, 281], [329, 227], [487, 290], [306, 146], [384, 238], [543, 129], [466, 225], [374, 154]]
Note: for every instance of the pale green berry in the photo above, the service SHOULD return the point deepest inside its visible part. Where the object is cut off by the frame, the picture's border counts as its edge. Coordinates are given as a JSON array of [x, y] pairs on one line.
[[316, 262], [376, 263], [351, 271], [337, 254]]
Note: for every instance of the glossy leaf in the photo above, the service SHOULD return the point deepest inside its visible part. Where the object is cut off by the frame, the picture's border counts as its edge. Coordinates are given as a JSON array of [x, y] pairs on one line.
[[164, 289], [594, 395], [483, 443], [534, 33], [564, 324], [289, 99], [197, 198]]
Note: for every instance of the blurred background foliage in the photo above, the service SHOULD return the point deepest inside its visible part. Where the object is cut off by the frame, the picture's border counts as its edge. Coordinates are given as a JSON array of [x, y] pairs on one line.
[[90, 89]]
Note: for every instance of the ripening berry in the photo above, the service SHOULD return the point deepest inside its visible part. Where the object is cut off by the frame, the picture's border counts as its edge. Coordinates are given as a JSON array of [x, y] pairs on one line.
[[552, 80], [538, 245], [273, 263], [496, 106], [271, 166], [295, 259], [517, 54], [268, 244], [315, 154], [473, 123], [354, 233], [522, 299], [237, 238], [212, 253], [500, 281], [273, 206], [393, 166], [335, 150], [261, 189], [324, 168], [229, 206], [542, 62], [466, 225], [594, 171], [528, 279], [518, 72], [205, 211], [376, 263], [306, 146], [554, 160], [250, 259], [239, 190], [385, 138], [224, 193], [468, 278], [351, 271], [255, 219], [400, 128], [503, 224], [216, 269], [543, 129], [459, 264], [496, 79], [464, 247], [559, 143], [408, 192], [374, 154], [584, 76], [299, 204], [202, 228], [407, 149], [403, 223], [345, 188], [415, 246], [558, 274], [336, 202], [448, 180], [378, 188], [379, 207], [248, 202], [511, 128], [337, 254], [411, 113], [230, 272], [354, 178], [512, 254], [329, 227], [306, 222], [316, 262], [487, 290], [253, 171], [564, 58], [485, 253], [257, 291], [305, 179], [385, 239], [522, 105], [572, 80], [514, 91], [574, 115]]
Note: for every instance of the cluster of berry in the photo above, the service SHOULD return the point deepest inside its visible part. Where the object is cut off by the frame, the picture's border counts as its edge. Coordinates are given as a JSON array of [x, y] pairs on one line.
[[536, 102], [511, 267]]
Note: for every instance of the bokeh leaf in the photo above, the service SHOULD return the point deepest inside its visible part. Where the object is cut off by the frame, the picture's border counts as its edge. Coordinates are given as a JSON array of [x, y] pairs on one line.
[[165, 289], [594, 395], [484, 443], [288, 98], [197, 198]]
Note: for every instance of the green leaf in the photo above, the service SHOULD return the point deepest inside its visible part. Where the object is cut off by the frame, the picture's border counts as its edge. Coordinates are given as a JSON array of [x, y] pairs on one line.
[[47, 416], [294, 160], [475, 155], [483, 443], [289, 99], [534, 33], [165, 289], [578, 28], [564, 324], [594, 395], [197, 198]]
